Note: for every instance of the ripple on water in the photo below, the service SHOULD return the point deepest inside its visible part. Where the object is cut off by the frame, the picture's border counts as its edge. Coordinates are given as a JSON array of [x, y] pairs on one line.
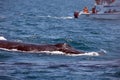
[[2, 19], [4, 55], [7, 77]]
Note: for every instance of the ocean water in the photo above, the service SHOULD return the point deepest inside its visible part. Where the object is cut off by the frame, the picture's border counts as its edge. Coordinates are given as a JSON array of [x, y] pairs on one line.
[[51, 22]]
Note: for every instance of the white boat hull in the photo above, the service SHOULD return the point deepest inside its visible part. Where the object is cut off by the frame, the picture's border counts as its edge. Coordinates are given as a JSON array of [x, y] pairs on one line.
[[102, 16]]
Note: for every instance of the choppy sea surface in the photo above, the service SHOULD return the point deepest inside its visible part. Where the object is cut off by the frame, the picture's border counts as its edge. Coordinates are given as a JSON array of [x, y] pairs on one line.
[[51, 22]]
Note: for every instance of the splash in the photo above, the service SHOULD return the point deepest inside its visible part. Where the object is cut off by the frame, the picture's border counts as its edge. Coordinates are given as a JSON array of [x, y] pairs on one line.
[[2, 38]]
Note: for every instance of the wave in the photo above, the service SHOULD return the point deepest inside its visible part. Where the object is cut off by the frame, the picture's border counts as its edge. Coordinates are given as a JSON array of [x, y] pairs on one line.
[[55, 17], [56, 52]]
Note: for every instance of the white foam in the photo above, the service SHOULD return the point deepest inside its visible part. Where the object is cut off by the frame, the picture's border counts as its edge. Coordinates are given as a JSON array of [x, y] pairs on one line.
[[55, 17], [86, 54], [102, 51], [68, 17], [2, 38], [9, 49], [69, 54], [56, 52], [53, 52]]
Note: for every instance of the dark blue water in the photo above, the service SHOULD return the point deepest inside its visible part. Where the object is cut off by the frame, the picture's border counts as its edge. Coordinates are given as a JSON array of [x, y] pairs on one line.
[[51, 22]]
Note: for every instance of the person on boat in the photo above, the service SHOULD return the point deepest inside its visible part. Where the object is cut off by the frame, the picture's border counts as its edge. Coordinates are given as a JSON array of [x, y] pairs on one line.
[[114, 10], [110, 1], [85, 10], [110, 11], [98, 2], [94, 10]]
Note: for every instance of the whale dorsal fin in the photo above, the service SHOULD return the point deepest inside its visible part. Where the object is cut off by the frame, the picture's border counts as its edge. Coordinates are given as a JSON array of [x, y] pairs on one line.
[[65, 45], [62, 45], [2, 38]]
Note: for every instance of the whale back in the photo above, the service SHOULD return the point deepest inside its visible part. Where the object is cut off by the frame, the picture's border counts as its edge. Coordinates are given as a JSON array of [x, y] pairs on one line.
[[63, 47], [67, 49]]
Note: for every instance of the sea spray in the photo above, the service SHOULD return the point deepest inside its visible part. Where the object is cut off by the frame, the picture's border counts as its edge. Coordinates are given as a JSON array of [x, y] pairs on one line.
[[2, 38]]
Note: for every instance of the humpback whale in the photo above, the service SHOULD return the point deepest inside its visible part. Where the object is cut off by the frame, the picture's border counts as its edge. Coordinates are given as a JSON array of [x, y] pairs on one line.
[[20, 46]]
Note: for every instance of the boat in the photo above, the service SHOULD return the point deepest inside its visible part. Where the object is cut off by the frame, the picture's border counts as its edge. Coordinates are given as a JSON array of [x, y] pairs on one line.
[[102, 9]]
